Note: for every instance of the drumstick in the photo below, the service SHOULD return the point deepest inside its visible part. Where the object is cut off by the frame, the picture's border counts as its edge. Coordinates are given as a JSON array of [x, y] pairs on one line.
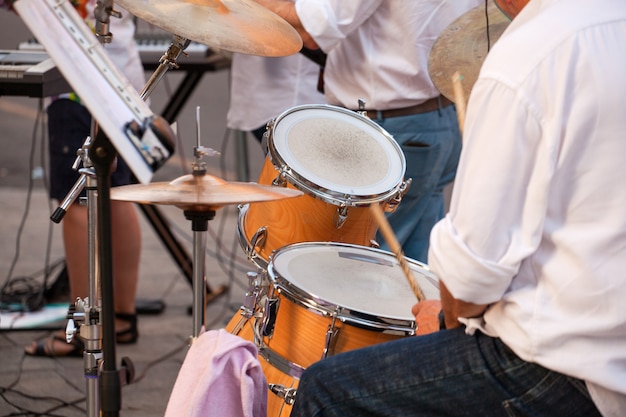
[[391, 239], [459, 98]]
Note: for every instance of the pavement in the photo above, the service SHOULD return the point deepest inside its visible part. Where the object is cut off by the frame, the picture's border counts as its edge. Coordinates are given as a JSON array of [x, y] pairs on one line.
[[31, 247]]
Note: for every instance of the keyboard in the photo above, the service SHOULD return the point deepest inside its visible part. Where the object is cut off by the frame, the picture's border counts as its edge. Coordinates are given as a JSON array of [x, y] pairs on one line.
[[30, 73], [153, 47]]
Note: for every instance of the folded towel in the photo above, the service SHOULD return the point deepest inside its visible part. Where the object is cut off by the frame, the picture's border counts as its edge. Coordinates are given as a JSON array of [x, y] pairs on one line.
[[220, 376]]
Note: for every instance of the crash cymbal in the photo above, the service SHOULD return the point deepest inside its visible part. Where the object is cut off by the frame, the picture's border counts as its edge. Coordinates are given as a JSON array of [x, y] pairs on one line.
[[200, 193], [231, 25], [463, 46]]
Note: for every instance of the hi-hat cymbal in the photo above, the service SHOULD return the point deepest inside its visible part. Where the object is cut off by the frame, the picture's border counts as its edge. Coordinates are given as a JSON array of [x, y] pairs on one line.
[[463, 46], [231, 25], [200, 193]]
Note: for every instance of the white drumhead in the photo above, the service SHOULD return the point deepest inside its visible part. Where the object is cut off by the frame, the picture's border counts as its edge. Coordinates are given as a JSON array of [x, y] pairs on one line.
[[359, 278], [338, 150]]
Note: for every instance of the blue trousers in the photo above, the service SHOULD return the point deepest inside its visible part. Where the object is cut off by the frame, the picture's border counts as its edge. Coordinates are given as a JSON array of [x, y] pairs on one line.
[[447, 373], [431, 143], [69, 124]]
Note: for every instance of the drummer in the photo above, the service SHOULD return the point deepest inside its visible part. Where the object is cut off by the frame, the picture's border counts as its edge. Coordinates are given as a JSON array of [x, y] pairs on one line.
[[532, 254], [390, 74]]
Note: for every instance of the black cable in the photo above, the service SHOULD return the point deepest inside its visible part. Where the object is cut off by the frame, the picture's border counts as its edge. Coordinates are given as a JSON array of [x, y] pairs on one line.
[[487, 21], [21, 300]]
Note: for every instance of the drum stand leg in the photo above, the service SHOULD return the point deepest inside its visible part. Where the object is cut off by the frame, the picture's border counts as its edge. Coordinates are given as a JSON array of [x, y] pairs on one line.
[[199, 225]]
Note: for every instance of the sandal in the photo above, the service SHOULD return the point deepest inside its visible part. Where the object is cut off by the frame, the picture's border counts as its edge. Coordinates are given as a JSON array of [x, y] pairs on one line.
[[45, 347], [131, 334]]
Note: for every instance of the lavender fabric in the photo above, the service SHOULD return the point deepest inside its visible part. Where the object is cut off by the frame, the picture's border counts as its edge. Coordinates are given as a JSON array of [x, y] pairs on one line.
[[220, 376]]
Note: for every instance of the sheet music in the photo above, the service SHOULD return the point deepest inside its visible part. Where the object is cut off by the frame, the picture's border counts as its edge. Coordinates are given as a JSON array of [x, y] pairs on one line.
[[107, 94]]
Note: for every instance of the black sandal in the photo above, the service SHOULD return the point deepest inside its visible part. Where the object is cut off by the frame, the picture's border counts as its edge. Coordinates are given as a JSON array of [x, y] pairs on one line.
[[128, 336], [45, 347]]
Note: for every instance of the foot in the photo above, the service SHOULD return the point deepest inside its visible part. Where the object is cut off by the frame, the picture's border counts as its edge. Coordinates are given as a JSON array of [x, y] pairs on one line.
[[126, 331], [56, 346]]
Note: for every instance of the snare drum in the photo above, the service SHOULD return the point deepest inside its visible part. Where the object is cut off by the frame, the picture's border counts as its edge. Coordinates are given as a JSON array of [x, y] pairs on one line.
[[342, 161], [327, 298]]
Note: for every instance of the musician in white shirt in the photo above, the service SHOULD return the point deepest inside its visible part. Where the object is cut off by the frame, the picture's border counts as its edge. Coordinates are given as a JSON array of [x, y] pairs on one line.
[[532, 254]]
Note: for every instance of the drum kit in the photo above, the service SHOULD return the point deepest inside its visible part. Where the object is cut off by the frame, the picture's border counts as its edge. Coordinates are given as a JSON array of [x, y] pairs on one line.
[[321, 285]]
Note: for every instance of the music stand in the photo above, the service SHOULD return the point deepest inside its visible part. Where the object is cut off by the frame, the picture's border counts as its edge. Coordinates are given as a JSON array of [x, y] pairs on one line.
[[127, 127]]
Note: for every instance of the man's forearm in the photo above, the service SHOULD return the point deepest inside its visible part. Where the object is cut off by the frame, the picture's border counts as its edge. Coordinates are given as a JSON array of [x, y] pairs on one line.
[[453, 308]]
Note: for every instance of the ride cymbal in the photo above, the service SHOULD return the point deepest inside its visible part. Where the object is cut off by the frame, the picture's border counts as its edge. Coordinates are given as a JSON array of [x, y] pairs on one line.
[[200, 193], [231, 25], [463, 46]]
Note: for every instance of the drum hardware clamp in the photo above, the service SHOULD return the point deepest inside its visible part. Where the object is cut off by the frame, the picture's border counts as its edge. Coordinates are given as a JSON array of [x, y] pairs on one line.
[[287, 394], [258, 240], [331, 336]]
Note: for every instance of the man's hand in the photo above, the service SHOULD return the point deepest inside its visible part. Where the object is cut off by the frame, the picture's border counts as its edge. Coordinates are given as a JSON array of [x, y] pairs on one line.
[[287, 10], [427, 316]]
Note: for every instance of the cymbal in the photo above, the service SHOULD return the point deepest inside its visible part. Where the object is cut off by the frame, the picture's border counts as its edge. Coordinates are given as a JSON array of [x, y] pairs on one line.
[[463, 46], [200, 193], [231, 25]]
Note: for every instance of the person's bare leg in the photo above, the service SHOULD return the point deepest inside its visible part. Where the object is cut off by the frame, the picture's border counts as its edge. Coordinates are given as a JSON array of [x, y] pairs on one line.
[[126, 249], [74, 231]]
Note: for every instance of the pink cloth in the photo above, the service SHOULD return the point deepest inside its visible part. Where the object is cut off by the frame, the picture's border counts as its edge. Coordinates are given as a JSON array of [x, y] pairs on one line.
[[220, 376]]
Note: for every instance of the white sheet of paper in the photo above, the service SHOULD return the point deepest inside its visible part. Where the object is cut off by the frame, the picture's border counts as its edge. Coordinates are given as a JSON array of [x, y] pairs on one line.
[[105, 91]]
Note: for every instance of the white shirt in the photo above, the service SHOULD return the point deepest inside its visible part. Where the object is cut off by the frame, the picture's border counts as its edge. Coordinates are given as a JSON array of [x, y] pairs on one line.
[[263, 87], [537, 224], [378, 49]]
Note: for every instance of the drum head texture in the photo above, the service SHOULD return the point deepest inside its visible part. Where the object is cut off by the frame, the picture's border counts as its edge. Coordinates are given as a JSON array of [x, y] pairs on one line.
[[338, 149], [361, 279]]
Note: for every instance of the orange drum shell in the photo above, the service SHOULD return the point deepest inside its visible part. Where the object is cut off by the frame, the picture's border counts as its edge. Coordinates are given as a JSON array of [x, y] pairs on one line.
[[304, 219], [276, 406], [300, 335]]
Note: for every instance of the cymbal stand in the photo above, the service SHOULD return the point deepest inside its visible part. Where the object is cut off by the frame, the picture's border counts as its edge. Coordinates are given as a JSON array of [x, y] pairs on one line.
[[199, 225], [199, 217], [167, 62]]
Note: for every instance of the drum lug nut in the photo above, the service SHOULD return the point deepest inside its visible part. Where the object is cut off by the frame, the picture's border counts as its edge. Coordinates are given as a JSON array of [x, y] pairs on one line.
[[280, 180], [341, 215], [258, 240], [393, 202]]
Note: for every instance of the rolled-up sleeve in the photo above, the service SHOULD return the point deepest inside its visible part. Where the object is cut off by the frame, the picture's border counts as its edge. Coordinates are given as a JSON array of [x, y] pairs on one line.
[[500, 197]]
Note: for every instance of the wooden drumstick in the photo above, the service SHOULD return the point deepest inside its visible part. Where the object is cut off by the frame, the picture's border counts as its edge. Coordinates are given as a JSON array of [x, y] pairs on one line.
[[459, 98], [387, 232]]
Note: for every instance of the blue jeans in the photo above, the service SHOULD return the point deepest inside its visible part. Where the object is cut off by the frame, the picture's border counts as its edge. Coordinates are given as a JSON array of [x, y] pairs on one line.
[[447, 373], [431, 143]]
